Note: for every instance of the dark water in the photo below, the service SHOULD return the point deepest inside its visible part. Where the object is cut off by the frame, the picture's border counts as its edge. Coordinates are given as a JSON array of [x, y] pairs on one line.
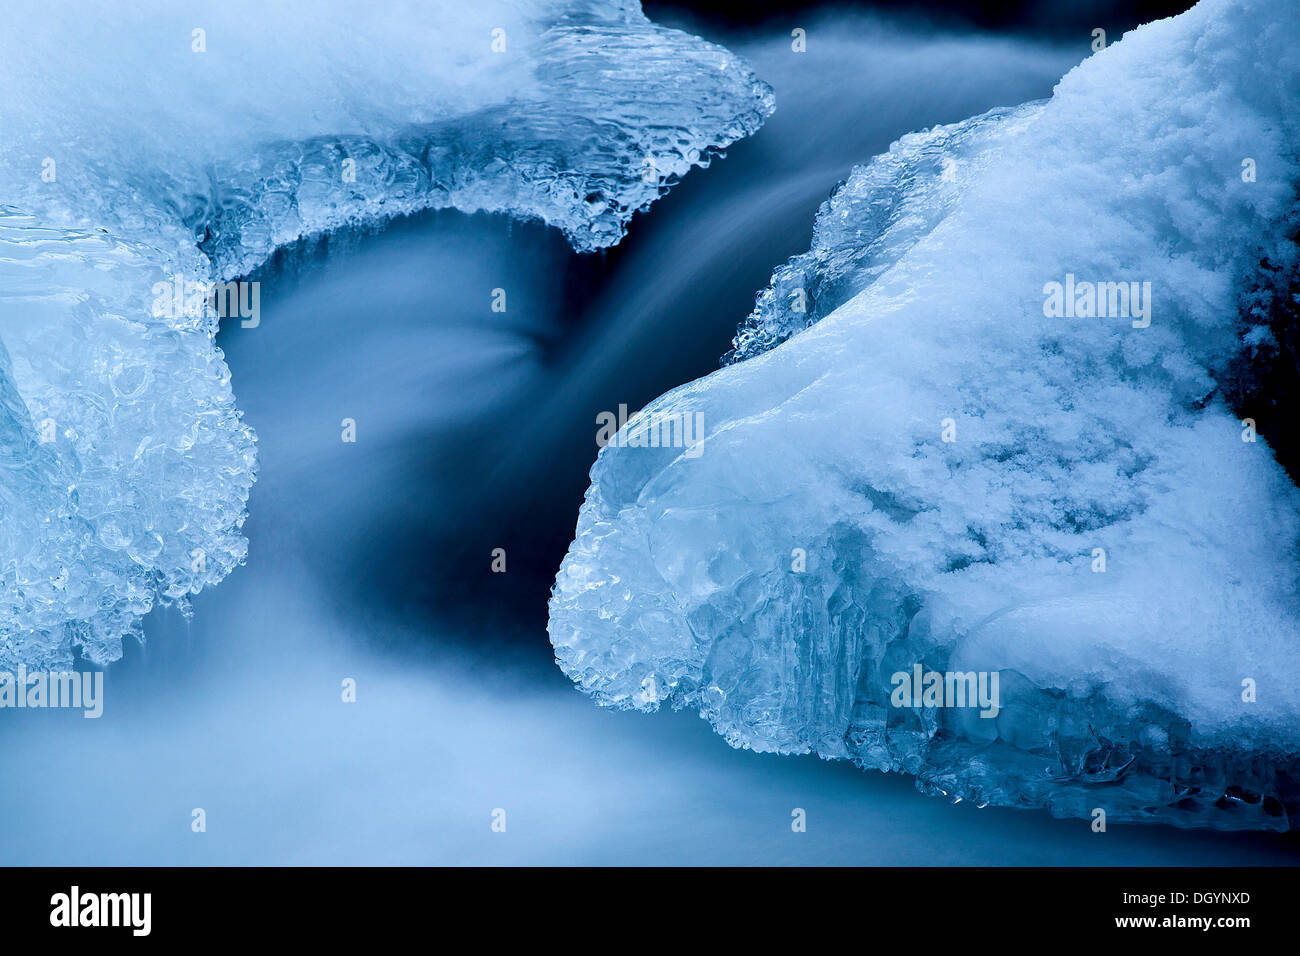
[[370, 561]]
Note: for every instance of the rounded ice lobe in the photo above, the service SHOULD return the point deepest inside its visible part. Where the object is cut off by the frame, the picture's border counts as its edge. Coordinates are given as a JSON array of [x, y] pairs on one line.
[[938, 471], [159, 145]]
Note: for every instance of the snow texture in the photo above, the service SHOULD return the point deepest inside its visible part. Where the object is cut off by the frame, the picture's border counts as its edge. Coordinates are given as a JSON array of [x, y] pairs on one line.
[[924, 476]]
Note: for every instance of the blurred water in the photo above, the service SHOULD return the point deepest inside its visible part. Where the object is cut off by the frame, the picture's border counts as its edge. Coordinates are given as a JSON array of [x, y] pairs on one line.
[[475, 428]]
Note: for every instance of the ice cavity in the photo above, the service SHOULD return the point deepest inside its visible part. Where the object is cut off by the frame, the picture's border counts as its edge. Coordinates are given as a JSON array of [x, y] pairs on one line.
[[829, 537], [154, 140]]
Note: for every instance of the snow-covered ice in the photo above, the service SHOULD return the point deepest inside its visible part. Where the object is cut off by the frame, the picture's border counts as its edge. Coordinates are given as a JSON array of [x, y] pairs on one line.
[[937, 470], [145, 142]]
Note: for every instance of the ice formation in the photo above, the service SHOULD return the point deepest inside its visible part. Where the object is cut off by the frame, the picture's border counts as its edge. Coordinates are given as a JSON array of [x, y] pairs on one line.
[[870, 221], [931, 468], [144, 142]]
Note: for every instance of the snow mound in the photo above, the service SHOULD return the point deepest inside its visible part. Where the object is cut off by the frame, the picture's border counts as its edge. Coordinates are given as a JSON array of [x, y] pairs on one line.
[[1002, 452]]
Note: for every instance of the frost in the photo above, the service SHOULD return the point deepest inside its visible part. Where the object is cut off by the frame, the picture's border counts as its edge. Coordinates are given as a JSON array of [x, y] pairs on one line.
[[1095, 532], [146, 141]]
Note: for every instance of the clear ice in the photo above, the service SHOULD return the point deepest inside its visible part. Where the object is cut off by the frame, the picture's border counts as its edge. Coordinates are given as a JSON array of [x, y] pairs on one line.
[[827, 536], [148, 141]]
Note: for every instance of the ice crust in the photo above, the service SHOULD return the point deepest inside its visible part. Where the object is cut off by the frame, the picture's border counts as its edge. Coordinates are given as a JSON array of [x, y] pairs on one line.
[[871, 219], [163, 160], [1121, 690]]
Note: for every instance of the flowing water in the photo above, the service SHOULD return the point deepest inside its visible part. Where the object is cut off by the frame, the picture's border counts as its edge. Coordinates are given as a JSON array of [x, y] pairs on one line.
[[370, 561]]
